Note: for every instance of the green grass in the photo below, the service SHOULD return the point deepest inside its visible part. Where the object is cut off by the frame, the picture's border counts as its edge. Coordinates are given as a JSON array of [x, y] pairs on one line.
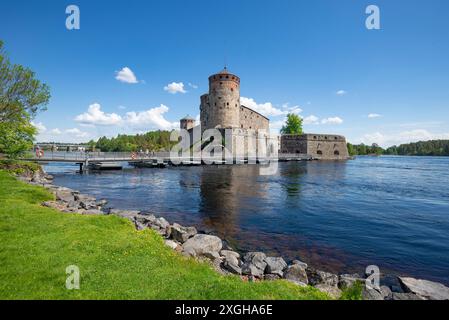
[[115, 260]]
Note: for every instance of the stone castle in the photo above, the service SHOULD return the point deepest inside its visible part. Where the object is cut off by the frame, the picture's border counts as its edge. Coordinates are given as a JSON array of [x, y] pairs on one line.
[[220, 108]]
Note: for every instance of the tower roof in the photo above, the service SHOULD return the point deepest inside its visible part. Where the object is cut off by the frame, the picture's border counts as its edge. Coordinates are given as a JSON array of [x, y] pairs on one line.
[[187, 117], [224, 71]]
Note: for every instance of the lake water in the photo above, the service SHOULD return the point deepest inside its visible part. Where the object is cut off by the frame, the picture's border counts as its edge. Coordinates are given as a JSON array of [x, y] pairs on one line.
[[340, 216]]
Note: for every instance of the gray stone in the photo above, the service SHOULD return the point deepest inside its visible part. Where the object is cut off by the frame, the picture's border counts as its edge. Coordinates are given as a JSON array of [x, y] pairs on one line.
[[348, 280], [182, 234], [129, 214], [303, 264], [84, 197], [173, 244], [88, 204], [371, 294], [250, 269], [424, 288], [386, 292], [405, 296], [231, 267], [93, 212], [65, 196], [257, 259], [275, 265], [271, 277], [321, 277], [202, 245], [231, 257], [146, 219], [296, 273], [332, 291]]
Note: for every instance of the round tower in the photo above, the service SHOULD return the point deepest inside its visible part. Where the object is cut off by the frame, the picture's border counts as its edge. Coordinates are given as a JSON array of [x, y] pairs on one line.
[[222, 109], [187, 123]]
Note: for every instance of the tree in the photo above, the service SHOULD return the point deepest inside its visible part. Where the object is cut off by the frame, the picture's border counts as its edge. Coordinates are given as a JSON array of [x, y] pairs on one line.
[[21, 98], [293, 125]]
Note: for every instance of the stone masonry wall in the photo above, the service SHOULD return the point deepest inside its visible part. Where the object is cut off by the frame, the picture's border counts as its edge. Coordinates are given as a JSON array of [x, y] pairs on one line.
[[319, 146]]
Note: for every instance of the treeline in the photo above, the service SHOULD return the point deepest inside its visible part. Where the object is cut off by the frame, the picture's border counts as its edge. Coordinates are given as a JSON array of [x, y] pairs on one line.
[[152, 141], [422, 148]]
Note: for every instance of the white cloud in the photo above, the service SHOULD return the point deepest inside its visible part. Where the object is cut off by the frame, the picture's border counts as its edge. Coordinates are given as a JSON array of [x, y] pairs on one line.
[[77, 132], [194, 86], [175, 87], [150, 119], [126, 75], [121, 107], [311, 120], [96, 116], [267, 109], [374, 115], [341, 92], [332, 120], [55, 131], [39, 126], [387, 140]]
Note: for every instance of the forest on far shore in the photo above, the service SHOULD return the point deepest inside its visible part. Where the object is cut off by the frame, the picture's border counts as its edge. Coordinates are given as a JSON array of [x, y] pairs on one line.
[[422, 148]]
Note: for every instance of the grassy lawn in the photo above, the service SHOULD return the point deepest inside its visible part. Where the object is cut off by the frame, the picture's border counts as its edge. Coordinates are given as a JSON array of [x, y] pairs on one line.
[[115, 260]]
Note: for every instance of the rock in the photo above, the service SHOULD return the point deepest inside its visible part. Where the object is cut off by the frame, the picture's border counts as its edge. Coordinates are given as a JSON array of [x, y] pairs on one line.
[[129, 214], [332, 291], [348, 280], [231, 267], [271, 277], [102, 202], [203, 245], [321, 277], [231, 257], [405, 296], [427, 289], [371, 294], [173, 244], [297, 274], [180, 233], [303, 264], [275, 265], [254, 264], [65, 196], [93, 212], [147, 219], [85, 204], [84, 197], [386, 292]]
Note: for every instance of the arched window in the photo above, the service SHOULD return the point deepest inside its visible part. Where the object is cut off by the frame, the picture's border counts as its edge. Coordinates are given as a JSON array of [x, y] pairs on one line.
[[336, 152], [319, 152]]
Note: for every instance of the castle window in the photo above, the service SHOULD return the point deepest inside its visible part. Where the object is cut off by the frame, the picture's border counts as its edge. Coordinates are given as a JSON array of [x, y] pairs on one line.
[[325, 137], [227, 103], [232, 89], [314, 137], [319, 152], [227, 77], [336, 152], [242, 126], [335, 138], [221, 83]]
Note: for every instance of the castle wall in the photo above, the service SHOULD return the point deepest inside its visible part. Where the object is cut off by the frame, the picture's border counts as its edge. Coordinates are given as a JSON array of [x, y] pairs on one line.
[[250, 119], [319, 146]]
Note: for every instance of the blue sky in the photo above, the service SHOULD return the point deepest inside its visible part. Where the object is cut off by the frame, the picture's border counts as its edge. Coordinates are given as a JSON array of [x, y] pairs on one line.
[[317, 56]]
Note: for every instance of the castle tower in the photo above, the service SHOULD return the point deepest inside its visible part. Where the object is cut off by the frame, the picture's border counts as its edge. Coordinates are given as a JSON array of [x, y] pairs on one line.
[[221, 107], [187, 123]]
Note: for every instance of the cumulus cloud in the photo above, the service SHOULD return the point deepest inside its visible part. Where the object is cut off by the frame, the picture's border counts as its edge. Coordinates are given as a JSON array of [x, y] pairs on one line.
[[387, 140], [126, 75], [175, 87], [95, 116], [55, 131], [332, 120], [374, 115], [39, 126], [152, 118], [341, 92], [267, 109], [311, 120]]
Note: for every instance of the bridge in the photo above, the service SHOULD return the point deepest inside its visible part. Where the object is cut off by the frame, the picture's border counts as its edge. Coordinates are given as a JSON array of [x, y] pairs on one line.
[[83, 159]]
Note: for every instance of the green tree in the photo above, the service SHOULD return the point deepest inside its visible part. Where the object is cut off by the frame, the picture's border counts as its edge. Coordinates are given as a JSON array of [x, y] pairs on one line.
[[21, 98], [293, 125]]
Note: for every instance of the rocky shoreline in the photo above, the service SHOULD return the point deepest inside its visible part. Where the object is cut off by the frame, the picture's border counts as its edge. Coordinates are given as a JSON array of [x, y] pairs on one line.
[[251, 266]]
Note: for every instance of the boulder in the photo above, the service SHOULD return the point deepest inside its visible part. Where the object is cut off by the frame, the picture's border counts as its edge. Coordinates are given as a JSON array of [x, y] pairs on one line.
[[275, 265], [84, 197], [332, 291], [386, 292], [173, 244], [203, 245], [63, 195], [427, 289], [182, 234], [129, 214], [321, 277], [254, 264], [93, 212], [271, 277], [348, 280], [371, 294], [231, 261], [303, 264], [296, 273], [146, 219], [405, 296]]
